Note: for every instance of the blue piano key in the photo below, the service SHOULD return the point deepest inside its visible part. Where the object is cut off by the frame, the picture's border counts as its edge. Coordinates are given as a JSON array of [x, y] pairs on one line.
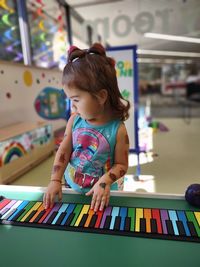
[[115, 212], [123, 214], [69, 210], [174, 219], [62, 209], [182, 217], [20, 207]]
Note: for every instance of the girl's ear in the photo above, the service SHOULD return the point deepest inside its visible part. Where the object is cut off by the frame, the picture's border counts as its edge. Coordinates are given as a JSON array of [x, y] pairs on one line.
[[102, 96]]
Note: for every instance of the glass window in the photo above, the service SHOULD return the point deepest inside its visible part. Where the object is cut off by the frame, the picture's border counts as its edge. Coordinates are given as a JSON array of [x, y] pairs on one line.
[[10, 43], [47, 33]]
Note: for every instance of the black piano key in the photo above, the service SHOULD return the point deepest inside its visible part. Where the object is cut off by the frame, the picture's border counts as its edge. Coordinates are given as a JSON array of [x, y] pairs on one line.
[[154, 227], [39, 216], [181, 228], [51, 218], [93, 221], [18, 215], [117, 223], [69, 219], [60, 218], [33, 212], [107, 222], [142, 225], [1, 198], [170, 228], [127, 224], [192, 229], [83, 220]]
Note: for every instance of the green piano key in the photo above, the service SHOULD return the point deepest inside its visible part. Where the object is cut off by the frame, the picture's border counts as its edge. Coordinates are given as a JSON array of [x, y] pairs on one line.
[[27, 208], [191, 218], [76, 211], [131, 214]]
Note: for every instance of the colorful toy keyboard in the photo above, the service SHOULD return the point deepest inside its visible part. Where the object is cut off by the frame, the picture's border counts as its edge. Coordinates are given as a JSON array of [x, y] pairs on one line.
[[127, 221]]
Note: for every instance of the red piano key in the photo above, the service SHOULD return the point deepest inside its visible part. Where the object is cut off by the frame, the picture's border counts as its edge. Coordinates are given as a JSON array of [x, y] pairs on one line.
[[4, 203], [45, 215], [156, 216], [99, 214]]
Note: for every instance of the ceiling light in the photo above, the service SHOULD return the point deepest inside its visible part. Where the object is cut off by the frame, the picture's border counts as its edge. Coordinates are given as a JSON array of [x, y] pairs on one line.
[[167, 53], [172, 37]]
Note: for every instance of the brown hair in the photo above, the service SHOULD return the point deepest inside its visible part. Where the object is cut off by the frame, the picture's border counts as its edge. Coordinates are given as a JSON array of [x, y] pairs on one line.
[[91, 70]]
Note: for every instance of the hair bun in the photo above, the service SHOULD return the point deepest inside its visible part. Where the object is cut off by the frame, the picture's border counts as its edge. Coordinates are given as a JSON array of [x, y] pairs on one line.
[[97, 48], [71, 49]]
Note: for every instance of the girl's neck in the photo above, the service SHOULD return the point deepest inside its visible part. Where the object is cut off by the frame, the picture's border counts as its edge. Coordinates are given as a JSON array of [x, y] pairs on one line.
[[102, 118]]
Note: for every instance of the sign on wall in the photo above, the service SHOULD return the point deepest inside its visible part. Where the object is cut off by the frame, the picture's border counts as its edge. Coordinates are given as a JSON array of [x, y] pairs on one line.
[[127, 76]]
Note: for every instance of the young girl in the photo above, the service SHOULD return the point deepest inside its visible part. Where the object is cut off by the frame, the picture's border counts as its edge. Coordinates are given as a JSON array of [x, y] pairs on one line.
[[94, 152]]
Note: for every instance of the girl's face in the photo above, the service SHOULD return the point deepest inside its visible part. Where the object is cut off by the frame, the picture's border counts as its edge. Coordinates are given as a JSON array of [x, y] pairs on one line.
[[85, 104]]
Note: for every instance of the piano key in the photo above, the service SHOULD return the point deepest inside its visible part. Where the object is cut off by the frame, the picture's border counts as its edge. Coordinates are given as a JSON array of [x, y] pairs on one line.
[[114, 214], [51, 217], [138, 216], [69, 210], [7, 208], [39, 216], [16, 215], [197, 215], [117, 223], [47, 211], [76, 211], [192, 229], [4, 202], [107, 212], [142, 225], [181, 228], [147, 216], [93, 221], [154, 228], [83, 220], [69, 219], [122, 214], [3, 212], [9, 213], [99, 214], [61, 210], [40, 209], [131, 215], [20, 207], [164, 217], [127, 227], [182, 217], [107, 222], [33, 212], [26, 209], [174, 219], [1, 198], [29, 209], [59, 219], [191, 218], [170, 229], [90, 214], [157, 216], [54, 208], [84, 210]]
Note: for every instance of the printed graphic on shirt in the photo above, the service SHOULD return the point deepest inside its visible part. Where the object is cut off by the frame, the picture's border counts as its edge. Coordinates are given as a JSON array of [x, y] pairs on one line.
[[91, 152]]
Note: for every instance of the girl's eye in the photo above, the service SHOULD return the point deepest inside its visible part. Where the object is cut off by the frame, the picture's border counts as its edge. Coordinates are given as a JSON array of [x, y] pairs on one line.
[[75, 100]]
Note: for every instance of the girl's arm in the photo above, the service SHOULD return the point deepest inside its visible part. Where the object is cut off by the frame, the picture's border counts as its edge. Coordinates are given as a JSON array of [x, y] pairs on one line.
[[60, 162], [101, 190]]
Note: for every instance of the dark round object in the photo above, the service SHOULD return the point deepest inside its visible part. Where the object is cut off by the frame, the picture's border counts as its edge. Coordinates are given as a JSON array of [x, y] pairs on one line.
[[192, 195]]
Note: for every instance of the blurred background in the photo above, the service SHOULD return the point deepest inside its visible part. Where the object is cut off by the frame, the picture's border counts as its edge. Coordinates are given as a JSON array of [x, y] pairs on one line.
[[37, 34]]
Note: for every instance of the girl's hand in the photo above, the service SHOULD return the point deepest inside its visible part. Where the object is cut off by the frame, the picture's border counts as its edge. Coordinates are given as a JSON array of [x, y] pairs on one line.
[[54, 188], [100, 195]]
